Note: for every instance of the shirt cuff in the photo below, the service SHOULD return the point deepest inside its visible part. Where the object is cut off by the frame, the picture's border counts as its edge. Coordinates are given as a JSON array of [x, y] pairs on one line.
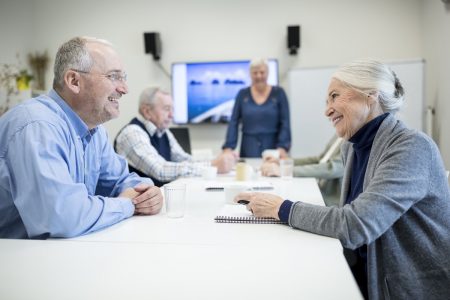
[[285, 210], [127, 207]]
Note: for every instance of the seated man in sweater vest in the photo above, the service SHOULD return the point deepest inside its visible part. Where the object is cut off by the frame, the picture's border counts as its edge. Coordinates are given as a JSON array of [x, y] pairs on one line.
[[152, 150]]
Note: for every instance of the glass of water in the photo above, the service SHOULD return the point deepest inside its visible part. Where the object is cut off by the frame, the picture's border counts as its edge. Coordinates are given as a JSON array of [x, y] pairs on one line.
[[287, 168], [175, 198]]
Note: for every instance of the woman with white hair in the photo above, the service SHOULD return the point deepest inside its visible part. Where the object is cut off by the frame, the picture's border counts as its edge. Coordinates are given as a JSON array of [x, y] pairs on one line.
[[263, 111], [395, 201]]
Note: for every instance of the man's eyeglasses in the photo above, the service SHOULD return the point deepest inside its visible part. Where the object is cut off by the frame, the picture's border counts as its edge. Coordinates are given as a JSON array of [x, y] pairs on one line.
[[114, 77]]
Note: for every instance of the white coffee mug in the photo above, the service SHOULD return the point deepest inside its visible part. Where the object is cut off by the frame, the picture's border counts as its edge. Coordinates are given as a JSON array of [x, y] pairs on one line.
[[274, 153], [232, 191], [209, 173]]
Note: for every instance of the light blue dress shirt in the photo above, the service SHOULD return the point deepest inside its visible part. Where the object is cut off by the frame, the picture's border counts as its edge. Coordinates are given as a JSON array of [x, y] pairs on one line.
[[57, 177]]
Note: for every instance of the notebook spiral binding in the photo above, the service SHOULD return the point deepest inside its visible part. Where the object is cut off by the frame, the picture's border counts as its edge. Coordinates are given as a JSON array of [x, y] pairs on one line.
[[252, 220]]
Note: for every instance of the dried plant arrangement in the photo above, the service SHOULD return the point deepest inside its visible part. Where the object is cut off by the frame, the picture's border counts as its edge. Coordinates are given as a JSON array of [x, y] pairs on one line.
[[7, 84], [13, 81], [39, 63]]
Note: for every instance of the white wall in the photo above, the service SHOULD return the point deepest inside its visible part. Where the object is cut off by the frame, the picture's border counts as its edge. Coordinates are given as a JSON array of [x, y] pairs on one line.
[[436, 20], [332, 33], [16, 20]]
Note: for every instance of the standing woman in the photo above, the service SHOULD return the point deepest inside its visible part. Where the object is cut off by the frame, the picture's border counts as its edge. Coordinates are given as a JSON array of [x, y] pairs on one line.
[[395, 202], [263, 111]]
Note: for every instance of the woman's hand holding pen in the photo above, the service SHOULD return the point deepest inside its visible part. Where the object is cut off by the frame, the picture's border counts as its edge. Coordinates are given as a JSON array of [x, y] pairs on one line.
[[261, 204]]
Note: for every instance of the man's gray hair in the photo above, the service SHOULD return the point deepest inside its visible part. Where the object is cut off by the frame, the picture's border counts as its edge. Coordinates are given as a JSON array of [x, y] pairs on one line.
[[371, 76], [148, 96], [74, 55]]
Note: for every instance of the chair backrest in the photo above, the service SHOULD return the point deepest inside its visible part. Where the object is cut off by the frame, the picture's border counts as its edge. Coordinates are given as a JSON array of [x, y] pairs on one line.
[[333, 146], [182, 136]]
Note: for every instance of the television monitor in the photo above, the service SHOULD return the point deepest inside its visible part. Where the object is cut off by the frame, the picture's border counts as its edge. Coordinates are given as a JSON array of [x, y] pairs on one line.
[[204, 92]]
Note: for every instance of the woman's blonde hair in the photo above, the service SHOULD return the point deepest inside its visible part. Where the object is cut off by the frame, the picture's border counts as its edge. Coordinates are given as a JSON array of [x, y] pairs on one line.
[[257, 62]]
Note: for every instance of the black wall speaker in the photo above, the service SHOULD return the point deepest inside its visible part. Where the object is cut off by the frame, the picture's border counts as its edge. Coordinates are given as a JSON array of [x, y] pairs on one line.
[[293, 39], [152, 43]]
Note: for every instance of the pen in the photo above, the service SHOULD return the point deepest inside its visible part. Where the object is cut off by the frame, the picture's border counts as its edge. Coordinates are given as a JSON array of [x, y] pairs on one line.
[[262, 188], [244, 202], [214, 189]]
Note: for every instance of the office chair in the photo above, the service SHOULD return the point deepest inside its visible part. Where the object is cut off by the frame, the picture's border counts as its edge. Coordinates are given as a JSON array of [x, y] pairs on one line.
[[181, 134]]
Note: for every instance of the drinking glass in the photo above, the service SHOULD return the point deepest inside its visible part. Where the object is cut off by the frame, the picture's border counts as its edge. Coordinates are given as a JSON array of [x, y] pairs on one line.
[[287, 168], [175, 198]]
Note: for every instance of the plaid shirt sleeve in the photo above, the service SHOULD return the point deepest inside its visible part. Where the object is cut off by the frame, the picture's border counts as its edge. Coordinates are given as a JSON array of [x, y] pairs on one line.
[[133, 143]]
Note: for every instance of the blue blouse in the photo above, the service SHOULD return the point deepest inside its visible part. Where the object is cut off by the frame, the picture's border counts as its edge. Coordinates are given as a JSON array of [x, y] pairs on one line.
[[264, 126]]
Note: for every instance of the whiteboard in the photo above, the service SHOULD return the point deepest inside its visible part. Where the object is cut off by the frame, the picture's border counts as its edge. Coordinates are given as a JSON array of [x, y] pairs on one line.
[[307, 91]]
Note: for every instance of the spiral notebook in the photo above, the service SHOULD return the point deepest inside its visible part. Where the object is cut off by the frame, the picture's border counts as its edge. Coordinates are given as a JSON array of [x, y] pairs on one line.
[[217, 186], [237, 213]]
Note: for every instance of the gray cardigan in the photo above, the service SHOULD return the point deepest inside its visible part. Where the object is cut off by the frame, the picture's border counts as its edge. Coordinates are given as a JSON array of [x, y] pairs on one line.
[[402, 215]]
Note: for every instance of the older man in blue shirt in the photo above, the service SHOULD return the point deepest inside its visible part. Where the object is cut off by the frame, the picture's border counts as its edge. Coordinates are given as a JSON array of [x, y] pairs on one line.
[[59, 175]]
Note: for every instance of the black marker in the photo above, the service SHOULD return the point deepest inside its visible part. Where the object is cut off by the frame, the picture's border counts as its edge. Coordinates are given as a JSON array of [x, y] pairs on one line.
[[244, 202]]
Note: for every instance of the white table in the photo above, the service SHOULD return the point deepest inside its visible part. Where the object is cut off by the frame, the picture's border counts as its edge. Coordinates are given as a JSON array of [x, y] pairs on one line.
[[155, 257]]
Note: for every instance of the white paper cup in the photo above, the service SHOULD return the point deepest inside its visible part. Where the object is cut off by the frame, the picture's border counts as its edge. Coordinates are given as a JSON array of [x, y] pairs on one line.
[[232, 191], [209, 173]]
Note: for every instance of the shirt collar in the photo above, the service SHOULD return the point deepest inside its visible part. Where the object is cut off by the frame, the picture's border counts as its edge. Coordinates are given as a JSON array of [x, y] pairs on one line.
[[78, 124], [150, 127]]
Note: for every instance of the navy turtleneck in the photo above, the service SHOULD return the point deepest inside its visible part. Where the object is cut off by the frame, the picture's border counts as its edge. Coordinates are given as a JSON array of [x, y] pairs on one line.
[[362, 142]]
